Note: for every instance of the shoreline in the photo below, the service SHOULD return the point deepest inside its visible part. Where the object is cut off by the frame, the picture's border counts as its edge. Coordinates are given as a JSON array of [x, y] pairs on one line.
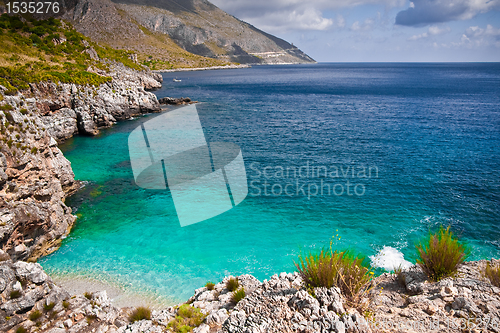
[[201, 68], [120, 295]]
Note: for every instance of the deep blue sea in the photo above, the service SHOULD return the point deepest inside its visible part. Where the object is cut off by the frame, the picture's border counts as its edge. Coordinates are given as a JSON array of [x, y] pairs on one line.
[[377, 154]]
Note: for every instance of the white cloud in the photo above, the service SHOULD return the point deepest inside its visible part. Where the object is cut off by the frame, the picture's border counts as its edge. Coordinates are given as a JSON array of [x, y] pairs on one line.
[[432, 31], [298, 19], [365, 26], [285, 15], [476, 36], [308, 19]]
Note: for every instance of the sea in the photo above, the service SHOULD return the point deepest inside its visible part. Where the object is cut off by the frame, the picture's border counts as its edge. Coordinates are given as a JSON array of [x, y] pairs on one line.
[[368, 157]]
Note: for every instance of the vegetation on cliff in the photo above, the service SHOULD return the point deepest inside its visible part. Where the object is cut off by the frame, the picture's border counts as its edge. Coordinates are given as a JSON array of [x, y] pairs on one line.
[[51, 50], [441, 254]]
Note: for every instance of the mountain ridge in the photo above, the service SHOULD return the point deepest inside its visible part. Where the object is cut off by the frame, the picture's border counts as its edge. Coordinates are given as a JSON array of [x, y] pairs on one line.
[[163, 30]]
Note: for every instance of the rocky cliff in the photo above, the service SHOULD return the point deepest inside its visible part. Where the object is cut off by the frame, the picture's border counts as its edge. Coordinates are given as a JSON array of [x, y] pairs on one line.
[[35, 177], [197, 26]]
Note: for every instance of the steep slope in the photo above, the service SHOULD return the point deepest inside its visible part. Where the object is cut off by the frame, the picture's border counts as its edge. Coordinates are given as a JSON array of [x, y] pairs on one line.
[[166, 29]]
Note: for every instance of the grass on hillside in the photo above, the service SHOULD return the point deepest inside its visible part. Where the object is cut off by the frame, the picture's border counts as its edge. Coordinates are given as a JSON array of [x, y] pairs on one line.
[[49, 50], [440, 254]]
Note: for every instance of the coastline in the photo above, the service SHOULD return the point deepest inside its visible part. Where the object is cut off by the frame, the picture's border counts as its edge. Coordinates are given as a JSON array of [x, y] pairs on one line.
[[201, 68], [446, 299], [408, 300]]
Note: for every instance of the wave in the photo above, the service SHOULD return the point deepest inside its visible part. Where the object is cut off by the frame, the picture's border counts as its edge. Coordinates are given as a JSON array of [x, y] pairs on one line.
[[389, 258]]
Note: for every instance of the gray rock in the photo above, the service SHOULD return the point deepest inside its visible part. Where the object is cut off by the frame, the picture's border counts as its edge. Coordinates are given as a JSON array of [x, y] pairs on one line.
[[174, 101], [85, 123], [217, 318], [3, 177], [19, 306], [330, 298], [62, 124], [32, 272]]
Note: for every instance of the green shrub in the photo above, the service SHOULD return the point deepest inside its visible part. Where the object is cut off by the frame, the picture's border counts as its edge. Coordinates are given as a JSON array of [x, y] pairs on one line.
[[87, 295], [49, 307], [210, 285], [34, 150], [187, 318], [21, 329], [232, 284], [441, 254], [140, 313], [335, 269], [492, 274], [91, 318], [9, 117], [34, 315], [238, 295], [15, 294], [35, 39]]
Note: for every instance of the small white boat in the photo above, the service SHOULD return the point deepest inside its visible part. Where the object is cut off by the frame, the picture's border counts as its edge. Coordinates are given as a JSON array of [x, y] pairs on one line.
[[177, 80]]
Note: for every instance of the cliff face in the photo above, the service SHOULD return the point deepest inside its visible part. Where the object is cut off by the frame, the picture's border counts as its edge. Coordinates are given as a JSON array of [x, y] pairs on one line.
[[67, 109], [35, 177], [197, 26]]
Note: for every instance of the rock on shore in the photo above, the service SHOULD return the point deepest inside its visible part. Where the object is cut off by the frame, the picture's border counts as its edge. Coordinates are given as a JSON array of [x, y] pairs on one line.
[[280, 304], [175, 101], [30, 299], [465, 303]]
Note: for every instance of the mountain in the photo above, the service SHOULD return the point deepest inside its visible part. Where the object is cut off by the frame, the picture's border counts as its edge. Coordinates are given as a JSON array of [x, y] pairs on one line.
[[162, 31]]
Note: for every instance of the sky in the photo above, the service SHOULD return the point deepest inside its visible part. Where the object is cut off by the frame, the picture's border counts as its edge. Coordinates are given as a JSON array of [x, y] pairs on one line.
[[379, 30]]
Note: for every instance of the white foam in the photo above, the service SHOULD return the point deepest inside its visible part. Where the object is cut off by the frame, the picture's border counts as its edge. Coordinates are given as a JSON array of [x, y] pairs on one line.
[[389, 258]]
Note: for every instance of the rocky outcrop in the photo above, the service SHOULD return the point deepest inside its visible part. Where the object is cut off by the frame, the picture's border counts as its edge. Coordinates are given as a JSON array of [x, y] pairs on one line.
[[67, 109], [280, 304], [30, 299], [35, 177], [175, 101], [408, 303]]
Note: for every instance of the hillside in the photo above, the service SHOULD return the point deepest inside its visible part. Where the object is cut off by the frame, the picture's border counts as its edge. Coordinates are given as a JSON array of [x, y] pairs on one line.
[[164, 31], [36, 51]]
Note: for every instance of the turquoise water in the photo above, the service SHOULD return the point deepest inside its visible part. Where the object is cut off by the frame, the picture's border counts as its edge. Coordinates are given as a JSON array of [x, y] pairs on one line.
[[429, 134]]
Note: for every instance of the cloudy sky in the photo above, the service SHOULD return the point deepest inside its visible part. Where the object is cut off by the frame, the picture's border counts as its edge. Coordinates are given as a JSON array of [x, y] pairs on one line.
[[379, 30]]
